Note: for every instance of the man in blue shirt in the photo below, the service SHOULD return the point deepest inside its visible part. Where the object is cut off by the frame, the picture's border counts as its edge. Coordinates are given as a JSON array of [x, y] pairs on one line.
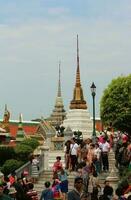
[[47, 194]]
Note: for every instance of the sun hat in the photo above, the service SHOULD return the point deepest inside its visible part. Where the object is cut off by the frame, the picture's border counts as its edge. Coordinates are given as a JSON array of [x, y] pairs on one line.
[[12, 190]]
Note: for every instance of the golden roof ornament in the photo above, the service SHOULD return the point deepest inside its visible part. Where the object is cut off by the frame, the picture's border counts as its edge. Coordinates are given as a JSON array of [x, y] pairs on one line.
[[78, 101]]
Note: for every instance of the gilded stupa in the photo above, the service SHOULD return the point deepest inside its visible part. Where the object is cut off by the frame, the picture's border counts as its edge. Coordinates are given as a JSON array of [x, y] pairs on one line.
[[78, 117], [58, 114]]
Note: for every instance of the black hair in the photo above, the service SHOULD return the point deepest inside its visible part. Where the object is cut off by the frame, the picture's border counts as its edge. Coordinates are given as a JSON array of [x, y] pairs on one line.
[[58, 157], [78, 178], [108, 190], [47, 184], [30, 186]]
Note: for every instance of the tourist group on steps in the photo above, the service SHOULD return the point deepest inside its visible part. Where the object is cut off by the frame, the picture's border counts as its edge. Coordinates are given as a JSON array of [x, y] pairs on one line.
[[87, 161]]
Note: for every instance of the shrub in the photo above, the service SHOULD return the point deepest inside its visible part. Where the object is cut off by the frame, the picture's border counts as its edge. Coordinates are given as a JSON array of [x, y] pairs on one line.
[[23, 152], [6, 153], [10, 165], [33, 143]]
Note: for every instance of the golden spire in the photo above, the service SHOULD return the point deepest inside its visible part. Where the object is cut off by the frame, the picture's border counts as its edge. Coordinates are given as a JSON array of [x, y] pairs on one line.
[[78, 101]]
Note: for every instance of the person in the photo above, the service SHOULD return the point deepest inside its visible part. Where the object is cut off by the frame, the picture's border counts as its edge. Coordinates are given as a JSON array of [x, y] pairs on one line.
[[64, 182], [57, 194], [107, 193], [20, 195], [67, 154], [31, 193], [24, 178], [73, 154], [105, 148], [57, 166], [97, 161], [12, 193], [35, 168], [90, 153], [12, 178], [93, 187], [47, 193], [2, 195], [77, 192]]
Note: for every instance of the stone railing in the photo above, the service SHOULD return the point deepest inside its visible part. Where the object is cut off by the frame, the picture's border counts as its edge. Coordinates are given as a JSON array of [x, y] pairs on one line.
[[25, 167], [43, 163]]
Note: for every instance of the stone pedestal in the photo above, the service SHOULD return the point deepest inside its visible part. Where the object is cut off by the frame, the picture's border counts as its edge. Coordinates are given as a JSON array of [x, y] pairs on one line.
[[111, 159], [45, 153], [57, 143], [113, 177]]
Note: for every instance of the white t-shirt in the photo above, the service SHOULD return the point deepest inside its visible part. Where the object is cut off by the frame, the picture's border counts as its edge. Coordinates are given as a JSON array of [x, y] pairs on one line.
[[73, 149], [105, 147], [97, 152]]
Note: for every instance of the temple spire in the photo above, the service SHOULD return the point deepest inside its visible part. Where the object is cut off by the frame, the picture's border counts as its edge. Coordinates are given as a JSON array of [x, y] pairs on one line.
[[58, 114], [78, 101], [78, 67], [20, 132], [59, 82], [20, 121]]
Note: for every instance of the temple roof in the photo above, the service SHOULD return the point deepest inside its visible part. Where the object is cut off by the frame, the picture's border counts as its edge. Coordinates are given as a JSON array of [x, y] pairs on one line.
[[58, 114], [78, 101]]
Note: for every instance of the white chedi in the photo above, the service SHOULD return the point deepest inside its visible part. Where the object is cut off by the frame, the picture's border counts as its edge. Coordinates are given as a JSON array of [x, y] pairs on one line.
[[79, 120]]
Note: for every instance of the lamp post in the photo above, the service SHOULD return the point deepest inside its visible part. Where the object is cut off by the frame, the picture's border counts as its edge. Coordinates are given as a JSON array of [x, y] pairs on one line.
[[93, 92]]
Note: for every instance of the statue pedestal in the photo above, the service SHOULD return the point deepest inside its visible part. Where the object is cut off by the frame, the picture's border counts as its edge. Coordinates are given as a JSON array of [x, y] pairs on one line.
[[113, 177], [45, 153], [57, 143]]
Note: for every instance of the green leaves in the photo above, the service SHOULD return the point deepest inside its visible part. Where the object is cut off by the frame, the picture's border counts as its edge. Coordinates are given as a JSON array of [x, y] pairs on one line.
[[115, 105]]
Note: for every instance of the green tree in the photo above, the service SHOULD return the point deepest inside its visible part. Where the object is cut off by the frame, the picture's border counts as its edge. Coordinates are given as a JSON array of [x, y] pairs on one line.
[[115, 105], [10, 166], [33, 143], [6, 153], [23, 152]]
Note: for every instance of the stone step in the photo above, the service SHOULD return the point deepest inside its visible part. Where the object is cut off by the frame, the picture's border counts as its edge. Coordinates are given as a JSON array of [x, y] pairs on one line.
[[48, 174]]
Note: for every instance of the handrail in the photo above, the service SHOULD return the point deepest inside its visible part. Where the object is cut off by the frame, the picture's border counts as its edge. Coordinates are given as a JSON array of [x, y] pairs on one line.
[[28, 167]]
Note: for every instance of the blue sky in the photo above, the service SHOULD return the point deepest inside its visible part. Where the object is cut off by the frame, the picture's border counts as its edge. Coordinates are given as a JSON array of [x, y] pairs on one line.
[[36, 34]]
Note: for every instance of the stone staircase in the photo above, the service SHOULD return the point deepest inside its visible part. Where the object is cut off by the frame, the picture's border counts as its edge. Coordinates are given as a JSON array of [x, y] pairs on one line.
[[47, 176], [53, 155]]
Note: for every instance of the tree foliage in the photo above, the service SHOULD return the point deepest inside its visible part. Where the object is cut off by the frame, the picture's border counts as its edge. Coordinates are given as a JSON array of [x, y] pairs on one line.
[[10, 165], [115, 105], [32, 142], [6, 153], [23, 152]]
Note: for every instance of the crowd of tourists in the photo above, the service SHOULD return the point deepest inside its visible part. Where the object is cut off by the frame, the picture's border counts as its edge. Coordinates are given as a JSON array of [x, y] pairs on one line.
[[14, 188], [85, 160]]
